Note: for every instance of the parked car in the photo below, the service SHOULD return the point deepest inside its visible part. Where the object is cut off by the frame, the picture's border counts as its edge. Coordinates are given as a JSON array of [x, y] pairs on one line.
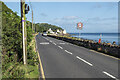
[[44, 34]]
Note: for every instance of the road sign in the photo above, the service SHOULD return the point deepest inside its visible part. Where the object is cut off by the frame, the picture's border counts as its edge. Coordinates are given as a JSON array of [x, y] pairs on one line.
[[79, 25]]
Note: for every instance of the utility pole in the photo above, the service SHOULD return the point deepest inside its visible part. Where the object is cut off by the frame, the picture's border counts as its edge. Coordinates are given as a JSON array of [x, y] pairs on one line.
[[24, 10], [23, 31], [32, 21]]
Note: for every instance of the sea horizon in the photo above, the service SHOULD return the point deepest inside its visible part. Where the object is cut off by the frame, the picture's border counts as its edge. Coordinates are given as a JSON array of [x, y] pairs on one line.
[[105, 37]]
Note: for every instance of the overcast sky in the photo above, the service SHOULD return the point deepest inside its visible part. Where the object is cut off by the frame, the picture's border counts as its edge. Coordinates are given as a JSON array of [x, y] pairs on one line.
[[95, 16]]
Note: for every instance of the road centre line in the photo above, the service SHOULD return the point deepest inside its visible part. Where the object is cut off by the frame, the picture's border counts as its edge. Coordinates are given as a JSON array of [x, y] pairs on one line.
[[109, 75], [60, 47], [84, 60], [54, 43], [50, 41], [46, 38], [44, 43], [96, 52], [68, 52], [62, 43]]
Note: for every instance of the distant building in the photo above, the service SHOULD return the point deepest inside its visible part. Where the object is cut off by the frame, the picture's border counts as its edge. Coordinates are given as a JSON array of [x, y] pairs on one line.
[[58, 30], [50, 31], [64, 31]]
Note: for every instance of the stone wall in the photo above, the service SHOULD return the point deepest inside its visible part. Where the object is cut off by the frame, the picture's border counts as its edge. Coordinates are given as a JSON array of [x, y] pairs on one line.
[[105, 48]]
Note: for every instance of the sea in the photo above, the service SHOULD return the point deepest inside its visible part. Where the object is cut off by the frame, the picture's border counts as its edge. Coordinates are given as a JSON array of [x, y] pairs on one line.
[[105, 37]]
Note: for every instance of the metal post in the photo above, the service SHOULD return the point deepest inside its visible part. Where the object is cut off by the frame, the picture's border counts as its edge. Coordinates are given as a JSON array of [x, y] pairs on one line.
[[32, 21], [0, 40], [79, 34], [23, 29]]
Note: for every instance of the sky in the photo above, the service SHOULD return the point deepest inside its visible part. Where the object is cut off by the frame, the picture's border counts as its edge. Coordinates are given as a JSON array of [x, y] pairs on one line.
[[97, 17]]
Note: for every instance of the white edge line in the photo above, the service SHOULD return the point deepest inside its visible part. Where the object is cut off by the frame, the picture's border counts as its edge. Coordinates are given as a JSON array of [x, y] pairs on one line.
[[109, 75], [84, 60]]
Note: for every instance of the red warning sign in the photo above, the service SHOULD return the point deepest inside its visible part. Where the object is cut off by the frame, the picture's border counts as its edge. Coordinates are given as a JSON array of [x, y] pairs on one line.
[[79, 25]]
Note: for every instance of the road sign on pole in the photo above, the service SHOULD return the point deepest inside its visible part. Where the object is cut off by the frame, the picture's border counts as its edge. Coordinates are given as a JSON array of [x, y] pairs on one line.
[[79, 26]]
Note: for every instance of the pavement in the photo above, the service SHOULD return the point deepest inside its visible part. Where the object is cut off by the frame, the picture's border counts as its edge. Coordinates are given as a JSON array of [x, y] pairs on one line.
[[65, 60]]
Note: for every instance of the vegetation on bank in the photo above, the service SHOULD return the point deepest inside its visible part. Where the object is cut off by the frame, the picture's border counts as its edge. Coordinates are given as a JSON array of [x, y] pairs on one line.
[[12, 56], [12, 52], [40, 27]]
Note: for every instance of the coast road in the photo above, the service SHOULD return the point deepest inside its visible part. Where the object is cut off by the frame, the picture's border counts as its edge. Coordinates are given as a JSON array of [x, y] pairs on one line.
[[64, 60]]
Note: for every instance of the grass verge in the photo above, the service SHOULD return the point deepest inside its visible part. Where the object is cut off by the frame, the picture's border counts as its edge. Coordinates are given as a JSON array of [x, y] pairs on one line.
[[15, 69], [32, 67]]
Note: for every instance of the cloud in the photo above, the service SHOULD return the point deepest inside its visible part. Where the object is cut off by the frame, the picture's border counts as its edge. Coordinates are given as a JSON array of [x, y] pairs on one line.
[[70, 17], [98, 19], [108, 5], [65, 20], [43, 14], [112, 18], [97, 6]]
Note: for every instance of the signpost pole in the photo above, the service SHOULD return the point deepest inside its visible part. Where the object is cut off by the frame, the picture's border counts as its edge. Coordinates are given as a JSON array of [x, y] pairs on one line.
[[79, 34], [79, 27]]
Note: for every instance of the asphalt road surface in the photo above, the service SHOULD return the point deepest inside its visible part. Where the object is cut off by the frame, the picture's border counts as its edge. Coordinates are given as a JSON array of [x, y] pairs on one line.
[[64, 60]]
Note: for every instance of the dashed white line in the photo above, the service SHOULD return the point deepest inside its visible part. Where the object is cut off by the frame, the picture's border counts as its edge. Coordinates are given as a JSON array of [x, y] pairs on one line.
[[109, 75], [61, 43], [50, 41], [54, 43], [60, 47], [68, 52], [44, 43], [46, 38], [84, 60]]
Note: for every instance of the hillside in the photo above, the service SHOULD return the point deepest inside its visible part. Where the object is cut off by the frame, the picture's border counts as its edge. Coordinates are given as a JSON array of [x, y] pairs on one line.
[[12, 52], [12, 56], [40, 27]]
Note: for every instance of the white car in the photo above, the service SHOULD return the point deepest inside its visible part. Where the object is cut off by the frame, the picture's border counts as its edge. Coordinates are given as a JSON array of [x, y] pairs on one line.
[[44, 34]]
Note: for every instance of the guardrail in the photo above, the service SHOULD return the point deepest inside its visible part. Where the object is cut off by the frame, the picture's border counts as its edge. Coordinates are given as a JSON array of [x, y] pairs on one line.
[[112, 50]]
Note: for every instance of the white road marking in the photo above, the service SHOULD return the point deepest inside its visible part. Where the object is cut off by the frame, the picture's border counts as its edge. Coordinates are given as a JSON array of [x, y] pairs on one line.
[[54, 43], [84, 60], [109, 75], [60, 47], [45, 38], [78, 46], [44, 43], [50, 41], [62, 43], [70, 43], [68, 52]]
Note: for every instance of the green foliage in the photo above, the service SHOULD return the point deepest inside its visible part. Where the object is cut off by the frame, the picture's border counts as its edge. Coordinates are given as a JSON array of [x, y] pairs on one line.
[[29, 32], [11, 33], [12, 43], [32, 56], [12, 63], [40, 27]]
